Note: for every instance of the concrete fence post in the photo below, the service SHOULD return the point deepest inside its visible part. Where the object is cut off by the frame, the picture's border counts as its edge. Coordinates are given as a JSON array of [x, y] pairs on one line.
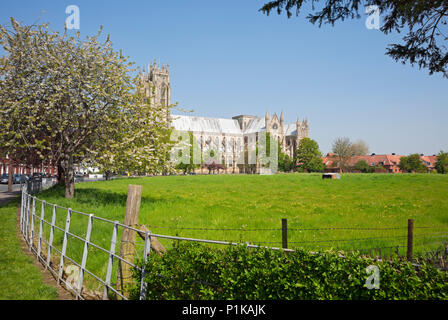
[[64, 245]]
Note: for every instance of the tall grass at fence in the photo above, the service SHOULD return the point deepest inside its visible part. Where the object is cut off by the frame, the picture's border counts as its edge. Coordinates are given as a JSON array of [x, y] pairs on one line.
[[364, 212]]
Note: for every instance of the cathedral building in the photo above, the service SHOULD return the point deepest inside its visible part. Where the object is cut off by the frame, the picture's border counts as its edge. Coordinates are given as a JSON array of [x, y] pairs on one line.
[[230, 136]]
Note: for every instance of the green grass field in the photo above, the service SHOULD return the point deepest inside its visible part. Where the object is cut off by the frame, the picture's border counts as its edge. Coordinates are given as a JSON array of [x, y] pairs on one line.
[[357, 212], [20, 279]]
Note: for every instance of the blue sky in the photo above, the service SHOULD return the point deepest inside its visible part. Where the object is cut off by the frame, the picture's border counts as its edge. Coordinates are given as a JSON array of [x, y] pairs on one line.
[[226, 59]]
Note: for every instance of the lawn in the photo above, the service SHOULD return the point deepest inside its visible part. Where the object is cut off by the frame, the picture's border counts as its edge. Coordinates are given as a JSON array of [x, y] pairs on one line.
[[20, 279], [376, 206]]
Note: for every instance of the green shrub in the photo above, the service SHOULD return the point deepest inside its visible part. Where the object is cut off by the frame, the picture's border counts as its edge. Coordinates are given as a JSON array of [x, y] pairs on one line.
[[193, 271]]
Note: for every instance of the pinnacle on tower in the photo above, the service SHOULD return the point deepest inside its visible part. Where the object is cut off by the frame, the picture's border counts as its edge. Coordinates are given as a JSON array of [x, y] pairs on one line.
[[266, 119]]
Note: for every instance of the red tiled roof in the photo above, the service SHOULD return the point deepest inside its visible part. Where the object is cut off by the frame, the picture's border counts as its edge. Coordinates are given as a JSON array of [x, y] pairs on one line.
[[331, 160]]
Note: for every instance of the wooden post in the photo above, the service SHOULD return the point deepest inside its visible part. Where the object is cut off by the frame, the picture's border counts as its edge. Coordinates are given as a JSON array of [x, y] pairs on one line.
[[284, 233], [410, 238], [128, 237]]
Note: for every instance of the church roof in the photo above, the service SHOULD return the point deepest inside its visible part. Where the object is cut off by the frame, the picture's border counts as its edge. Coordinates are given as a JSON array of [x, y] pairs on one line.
[[256, 125], [291, 129], [202, 124], [223, 126]]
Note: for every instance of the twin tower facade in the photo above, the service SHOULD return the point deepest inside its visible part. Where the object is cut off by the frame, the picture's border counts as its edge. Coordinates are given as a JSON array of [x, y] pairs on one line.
[[229, 136]]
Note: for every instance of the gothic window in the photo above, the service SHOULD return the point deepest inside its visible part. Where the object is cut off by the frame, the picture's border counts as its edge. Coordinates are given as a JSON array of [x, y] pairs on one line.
[[164, 96]]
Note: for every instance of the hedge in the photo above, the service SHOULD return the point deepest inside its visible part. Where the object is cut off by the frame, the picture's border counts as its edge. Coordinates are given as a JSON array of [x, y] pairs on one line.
[[192, 271]]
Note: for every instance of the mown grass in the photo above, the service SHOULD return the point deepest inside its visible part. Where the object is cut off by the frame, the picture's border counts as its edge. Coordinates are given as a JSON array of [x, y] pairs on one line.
[[20, 279], [371, 202]]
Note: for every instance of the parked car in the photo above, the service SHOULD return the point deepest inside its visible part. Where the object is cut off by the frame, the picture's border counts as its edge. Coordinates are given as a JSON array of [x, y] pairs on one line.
[[19, 178], [4, 178], [37, 175], [79, 175]]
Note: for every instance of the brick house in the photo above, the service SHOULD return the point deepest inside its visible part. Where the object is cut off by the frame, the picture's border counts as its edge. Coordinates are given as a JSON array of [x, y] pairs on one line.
[[26, 169], [389, 162]]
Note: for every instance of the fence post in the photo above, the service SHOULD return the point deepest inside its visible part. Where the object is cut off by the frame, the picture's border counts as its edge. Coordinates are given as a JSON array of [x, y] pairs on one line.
[[84, 254], [145, 259], [410, 238], [128, 237], [21, 209], [41, 226], [27, 213], [50, 241], [33, 213], [110, 264], [22, 212], [64, 244], [284, 233]]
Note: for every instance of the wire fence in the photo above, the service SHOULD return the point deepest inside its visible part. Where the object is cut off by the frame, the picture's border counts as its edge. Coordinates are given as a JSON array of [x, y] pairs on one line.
[[83, 251], [374, 241], [80, 249]]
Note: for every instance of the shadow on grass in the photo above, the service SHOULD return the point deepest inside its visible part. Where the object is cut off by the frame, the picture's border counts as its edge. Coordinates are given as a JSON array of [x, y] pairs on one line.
[[101, 197]]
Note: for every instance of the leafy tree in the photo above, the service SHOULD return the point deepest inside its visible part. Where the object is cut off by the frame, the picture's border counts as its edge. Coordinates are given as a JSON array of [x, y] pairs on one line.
[[412, 163], [421, 20], [342, 148], [442, 162], [190, 166], [345, 149], [360, 148], [72, 101], [285, 162], [213, 166], [362, 166], [308, 156]]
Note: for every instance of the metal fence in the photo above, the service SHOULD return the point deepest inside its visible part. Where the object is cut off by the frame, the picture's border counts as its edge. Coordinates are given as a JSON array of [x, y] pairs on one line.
[[39, 229], [50, 231], [35, 185]]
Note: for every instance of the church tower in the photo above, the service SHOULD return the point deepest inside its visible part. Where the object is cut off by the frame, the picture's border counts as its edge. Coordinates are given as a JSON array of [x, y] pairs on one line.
[[156, 84]]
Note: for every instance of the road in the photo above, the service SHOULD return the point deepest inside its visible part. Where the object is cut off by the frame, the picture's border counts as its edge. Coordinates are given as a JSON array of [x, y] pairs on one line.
[[6, 196]]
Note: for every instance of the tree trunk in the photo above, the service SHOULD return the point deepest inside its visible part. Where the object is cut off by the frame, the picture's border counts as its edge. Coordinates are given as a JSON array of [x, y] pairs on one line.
[[69, 177], [10, 176], [61, 180]]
